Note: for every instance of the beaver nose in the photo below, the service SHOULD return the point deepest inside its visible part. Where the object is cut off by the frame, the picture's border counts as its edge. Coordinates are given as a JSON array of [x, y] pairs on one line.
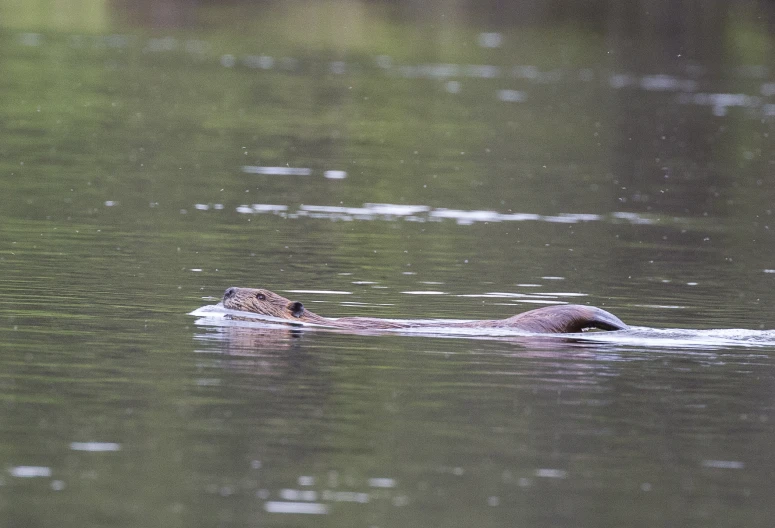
[[229, 293]]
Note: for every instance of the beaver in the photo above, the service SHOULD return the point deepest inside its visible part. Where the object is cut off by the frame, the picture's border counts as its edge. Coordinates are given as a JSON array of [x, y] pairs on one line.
[[566, 318]]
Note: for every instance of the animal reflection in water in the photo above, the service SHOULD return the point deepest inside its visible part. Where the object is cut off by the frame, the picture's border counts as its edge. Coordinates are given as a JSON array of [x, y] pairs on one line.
[[567, 318]]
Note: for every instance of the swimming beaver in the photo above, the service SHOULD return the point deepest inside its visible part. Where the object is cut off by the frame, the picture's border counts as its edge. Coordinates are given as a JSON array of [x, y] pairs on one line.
[[564, 318]]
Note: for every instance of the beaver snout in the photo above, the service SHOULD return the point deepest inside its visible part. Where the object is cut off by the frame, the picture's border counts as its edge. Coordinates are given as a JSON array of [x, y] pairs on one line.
[[229, 293]]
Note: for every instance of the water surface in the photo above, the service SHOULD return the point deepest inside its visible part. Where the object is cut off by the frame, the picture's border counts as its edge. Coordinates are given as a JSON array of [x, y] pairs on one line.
[[451, 164]]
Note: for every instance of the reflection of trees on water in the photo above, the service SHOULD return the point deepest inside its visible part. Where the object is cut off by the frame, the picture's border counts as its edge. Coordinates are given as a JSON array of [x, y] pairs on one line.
[[649, 136], [672, 158], [690, 21], [156, 13]]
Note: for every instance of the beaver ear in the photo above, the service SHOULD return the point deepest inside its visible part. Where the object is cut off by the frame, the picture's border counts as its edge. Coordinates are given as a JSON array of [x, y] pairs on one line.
[[296, 308]]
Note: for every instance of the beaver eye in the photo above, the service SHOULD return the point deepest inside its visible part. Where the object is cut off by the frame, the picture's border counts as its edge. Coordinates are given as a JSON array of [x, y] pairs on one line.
[[260, 296]]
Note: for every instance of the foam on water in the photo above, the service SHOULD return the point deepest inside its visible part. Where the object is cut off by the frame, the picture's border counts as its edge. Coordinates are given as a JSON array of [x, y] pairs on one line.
[[686, 338], [216, 315]]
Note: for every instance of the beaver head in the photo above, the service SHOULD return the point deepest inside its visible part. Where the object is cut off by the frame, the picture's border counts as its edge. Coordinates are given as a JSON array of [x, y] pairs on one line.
[[262, 302]]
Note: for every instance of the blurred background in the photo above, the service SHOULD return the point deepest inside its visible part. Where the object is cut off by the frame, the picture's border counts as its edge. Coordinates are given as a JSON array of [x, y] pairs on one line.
[[393, 159], [170, 116]]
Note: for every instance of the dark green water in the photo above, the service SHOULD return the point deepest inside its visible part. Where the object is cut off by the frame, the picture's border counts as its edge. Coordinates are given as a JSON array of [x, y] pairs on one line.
[[370, 159]]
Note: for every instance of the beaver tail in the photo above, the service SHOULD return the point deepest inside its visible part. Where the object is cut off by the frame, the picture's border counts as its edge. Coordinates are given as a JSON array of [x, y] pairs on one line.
[[604, 320], [565, 318]]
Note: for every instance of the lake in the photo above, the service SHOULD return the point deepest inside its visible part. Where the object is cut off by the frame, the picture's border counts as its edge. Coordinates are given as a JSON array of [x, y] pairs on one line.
[[396, 160]]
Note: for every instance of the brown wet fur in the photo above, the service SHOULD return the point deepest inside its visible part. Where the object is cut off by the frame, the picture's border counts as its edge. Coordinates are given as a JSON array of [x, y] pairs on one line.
[[566, 318]]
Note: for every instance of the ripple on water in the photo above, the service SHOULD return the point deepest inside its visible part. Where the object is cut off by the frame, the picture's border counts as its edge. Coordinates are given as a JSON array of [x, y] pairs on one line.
[[424, 213]]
